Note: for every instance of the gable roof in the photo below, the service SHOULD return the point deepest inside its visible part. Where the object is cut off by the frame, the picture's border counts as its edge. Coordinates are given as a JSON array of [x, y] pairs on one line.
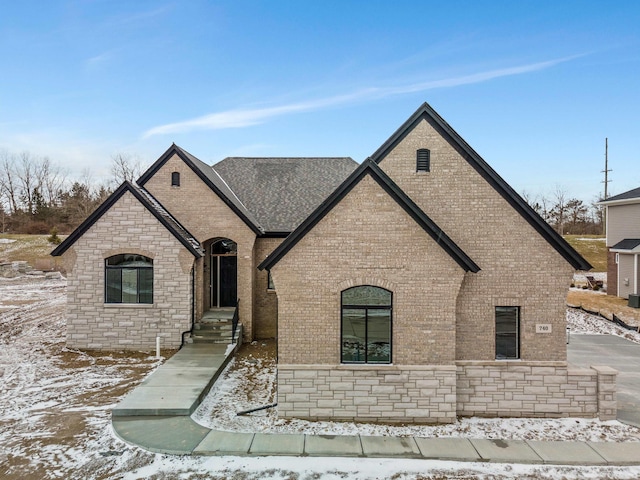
[[633, 195], [368, 167], [626, 244], [150, 203], [282, 192], [475, 160], [211, 178]]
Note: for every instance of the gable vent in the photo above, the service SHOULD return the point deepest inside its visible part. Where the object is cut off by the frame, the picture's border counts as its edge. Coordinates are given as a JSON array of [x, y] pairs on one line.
[[423, 160]]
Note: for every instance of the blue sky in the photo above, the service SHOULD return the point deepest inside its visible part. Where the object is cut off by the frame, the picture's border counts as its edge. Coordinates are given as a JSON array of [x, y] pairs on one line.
[[533, 86]]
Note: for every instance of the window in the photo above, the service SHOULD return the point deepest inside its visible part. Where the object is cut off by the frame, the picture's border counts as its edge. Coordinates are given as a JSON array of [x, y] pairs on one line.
[[423, 160], [270, 285], [507, 332], [175, 179], [128, 279], [366, 325]]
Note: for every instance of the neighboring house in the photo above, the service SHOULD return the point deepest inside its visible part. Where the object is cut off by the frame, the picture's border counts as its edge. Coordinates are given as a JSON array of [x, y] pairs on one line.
[[417, 286], [623, 243]]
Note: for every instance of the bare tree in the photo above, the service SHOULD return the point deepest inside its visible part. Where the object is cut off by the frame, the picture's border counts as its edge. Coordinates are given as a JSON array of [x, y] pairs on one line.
[[7, 181], [51, 181], [559, 211], [27, 176], [125, 167]]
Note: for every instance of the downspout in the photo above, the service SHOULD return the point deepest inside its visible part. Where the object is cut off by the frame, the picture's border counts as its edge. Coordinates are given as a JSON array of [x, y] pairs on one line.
[[193, 304], [635, 274]]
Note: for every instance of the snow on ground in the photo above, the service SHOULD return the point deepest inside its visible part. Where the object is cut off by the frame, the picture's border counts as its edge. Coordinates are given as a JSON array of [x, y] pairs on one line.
[[256, 368], [55, 413]]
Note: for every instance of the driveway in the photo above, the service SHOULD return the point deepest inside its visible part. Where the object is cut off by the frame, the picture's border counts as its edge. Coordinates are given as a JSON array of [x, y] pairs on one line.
[[618, 353]]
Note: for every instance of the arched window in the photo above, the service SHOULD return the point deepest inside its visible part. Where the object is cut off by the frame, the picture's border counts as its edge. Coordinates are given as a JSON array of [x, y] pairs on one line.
[[128, 279], [366, 325], [175, 179]]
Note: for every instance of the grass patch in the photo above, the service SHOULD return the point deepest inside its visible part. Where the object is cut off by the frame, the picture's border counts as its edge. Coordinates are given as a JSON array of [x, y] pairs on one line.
[[606, 305], [33, 249], [592, 247]]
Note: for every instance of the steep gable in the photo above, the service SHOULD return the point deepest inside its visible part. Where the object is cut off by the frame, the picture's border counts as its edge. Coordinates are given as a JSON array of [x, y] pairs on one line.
[[425, 112], [150, 203], [369, 168], [211, 178]]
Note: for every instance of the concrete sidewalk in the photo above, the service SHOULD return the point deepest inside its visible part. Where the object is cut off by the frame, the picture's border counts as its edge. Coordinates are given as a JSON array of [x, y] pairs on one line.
[[183, 436], [179, 385], [156, 416]]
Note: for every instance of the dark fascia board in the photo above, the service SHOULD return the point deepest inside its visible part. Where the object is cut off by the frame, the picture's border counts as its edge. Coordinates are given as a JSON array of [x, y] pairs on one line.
[[106, 205], [175, 149], [368, 167], [490, 175]]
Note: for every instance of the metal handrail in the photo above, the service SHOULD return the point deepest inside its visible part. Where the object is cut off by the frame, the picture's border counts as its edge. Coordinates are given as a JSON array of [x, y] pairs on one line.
[[234, 322]]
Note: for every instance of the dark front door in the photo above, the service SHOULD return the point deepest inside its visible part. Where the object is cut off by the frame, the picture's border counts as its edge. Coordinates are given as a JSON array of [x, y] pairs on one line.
[[228, 288]]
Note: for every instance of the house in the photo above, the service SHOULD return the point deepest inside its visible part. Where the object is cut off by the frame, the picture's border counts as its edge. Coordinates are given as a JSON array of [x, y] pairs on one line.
[[623, 243], [415, 287]]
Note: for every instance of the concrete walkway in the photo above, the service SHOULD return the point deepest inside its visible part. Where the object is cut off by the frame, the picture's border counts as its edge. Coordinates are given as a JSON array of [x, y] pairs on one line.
[[156, 416]]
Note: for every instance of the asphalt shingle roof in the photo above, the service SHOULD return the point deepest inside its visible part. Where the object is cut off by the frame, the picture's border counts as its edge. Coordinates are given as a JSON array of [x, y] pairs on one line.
[[626, 244], [282, 192], [635, 193]]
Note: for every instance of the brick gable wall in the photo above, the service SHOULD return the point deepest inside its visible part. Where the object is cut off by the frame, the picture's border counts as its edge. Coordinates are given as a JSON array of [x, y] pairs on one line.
[[206, 216], [519, 267]]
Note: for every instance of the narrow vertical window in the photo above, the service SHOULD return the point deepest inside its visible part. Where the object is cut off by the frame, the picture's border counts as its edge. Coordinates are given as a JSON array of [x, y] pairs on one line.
[[270, 285], [423, 160], [507, 333], [175, 179]]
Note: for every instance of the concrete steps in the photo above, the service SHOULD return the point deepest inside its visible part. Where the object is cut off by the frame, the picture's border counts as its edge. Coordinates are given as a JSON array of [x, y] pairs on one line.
[[215, 327], [212, 332]]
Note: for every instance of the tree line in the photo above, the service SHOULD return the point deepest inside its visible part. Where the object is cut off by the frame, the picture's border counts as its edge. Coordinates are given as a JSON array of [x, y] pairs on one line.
[[37, 196], [568, 215]]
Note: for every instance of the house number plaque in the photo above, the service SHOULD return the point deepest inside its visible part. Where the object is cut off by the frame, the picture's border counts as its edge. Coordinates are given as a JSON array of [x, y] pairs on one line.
[[543, 328]]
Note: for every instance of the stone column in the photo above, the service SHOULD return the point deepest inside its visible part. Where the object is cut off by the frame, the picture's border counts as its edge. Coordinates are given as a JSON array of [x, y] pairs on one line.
[[607, 401]]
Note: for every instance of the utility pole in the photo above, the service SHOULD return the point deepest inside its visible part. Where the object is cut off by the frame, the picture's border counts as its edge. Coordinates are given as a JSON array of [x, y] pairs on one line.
[[606, 183], [606, 168]]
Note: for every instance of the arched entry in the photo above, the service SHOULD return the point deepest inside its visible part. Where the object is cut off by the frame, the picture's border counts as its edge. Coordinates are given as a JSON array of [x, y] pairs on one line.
[[224, 273]]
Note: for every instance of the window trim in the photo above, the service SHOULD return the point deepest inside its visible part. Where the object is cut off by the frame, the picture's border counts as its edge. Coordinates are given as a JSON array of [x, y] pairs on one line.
[[175, 179], [423, 164], [518, 331], [366, 308], [113, 268]]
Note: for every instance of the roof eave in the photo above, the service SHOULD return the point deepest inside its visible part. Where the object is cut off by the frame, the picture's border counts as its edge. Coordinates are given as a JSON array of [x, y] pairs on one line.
[[105, 206]]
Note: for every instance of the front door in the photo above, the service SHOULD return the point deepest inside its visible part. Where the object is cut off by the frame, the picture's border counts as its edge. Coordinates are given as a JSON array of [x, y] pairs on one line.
[[224, 274]]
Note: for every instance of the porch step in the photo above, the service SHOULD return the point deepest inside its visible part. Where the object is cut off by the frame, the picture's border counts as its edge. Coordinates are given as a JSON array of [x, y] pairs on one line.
[[215, 326]]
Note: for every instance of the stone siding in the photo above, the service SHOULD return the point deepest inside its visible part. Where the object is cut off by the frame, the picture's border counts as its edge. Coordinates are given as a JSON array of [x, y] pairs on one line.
[[419, 394], [128, 227], [205, 215], [534, 389]]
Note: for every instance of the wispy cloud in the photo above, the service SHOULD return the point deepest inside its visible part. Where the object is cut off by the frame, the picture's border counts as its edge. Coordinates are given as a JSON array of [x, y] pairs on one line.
[[245, 117]]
